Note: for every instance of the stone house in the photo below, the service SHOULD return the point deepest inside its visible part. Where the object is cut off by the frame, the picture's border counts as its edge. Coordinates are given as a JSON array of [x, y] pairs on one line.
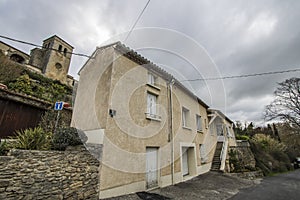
[[52, 59], [152, 130]]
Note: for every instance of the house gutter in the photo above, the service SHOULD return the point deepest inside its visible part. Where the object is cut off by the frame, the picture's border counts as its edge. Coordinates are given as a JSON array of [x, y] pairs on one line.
[[171, 136]]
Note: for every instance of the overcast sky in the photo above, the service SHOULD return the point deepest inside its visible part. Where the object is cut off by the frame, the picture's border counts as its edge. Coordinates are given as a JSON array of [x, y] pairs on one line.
[[192, 39]]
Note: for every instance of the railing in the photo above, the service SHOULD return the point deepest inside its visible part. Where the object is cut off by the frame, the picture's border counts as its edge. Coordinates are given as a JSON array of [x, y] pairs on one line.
[[223, 155]]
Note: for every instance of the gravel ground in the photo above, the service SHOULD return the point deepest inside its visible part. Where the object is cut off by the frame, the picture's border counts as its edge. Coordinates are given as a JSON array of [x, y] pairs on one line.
[[209, 186]]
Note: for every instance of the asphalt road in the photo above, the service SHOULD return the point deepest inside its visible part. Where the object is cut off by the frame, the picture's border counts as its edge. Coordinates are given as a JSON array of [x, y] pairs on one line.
[[283, 186], [209, 186], [219, 186]]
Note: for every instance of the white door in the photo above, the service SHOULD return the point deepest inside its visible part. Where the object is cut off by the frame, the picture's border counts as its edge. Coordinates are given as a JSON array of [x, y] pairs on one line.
[[151, 166], [185, 163], [220, 133]]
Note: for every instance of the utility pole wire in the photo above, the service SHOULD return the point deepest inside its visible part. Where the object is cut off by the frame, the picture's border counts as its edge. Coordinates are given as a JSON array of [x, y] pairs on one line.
[[198, 79], [137, 20], [35, 45], [243, 76]]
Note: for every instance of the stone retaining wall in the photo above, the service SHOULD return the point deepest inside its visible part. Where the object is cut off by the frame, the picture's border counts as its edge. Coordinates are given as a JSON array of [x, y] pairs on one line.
[[244, 154], [71, 174], [249, 175]]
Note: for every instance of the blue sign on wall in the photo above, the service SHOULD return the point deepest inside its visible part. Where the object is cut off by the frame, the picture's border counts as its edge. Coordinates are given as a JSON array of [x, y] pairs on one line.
[[59, 105]]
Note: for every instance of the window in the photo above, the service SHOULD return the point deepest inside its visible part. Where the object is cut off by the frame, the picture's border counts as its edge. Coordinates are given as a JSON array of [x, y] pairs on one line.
[[58, 66], [59, 48], [151, 79], [185, 117], [220, 130], [65, 51], [151, 105], [199, 122]]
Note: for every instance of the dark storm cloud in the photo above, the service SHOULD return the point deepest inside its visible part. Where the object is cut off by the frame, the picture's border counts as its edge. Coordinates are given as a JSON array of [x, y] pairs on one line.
[[242, 37]]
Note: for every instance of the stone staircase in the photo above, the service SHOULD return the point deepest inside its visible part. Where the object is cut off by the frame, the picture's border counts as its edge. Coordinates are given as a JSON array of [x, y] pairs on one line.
[[216, 163]]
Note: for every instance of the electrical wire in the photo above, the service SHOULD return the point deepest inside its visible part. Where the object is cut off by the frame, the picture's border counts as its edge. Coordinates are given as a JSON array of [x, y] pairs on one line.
[[36, 45], [198, 79], [242, 76], [137, 20]]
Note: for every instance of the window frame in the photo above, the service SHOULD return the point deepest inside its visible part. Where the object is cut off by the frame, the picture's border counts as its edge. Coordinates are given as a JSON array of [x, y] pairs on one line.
[[185, 115], [65, 51], [151, 79], [199, 124], [152, 107], [60, 47], [220, 130]]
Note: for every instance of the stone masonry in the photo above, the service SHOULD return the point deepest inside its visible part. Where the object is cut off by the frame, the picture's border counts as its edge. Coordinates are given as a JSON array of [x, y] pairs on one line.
[[244, 154], [70, 174]]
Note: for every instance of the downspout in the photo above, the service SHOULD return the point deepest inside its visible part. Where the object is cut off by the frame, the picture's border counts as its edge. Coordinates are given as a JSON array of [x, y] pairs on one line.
[[171, 130]]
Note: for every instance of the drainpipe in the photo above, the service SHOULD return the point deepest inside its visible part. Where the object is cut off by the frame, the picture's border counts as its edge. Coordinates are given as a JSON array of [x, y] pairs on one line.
[[171, 138]]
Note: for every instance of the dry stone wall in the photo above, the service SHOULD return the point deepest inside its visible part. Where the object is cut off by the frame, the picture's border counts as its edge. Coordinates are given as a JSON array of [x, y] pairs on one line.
[[71, 174], [244, 154]]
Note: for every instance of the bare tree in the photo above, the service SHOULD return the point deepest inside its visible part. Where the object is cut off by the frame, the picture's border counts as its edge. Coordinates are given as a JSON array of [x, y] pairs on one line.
[[286, 105]]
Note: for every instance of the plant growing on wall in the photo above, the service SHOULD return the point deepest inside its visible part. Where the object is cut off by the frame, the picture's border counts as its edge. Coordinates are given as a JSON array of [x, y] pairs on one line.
[[3, 148], [22, 84], [32, 139], [235, 162], [49, 118], [20, 79], [63, 137], [269, 154], [9, 70]]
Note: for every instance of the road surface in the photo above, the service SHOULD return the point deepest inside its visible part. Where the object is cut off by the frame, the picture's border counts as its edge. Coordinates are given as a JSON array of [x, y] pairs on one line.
[[280, 187]]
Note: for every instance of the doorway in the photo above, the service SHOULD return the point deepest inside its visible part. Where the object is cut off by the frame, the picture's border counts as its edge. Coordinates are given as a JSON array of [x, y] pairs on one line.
[[151, 167]]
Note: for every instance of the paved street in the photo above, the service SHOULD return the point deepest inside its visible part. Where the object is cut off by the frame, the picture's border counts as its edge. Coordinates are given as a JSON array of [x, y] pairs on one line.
[[209, 186], [217, 186], [283, 186]]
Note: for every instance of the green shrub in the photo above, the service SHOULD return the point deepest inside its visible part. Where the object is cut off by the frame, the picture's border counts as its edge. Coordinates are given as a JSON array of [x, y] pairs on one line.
[[20, 79], [22, 84], [269, 154], [64, 137], [268, 143], [9, 70], [32, 139], [3, 148], [48, 120], [242, 137], [235, 164]]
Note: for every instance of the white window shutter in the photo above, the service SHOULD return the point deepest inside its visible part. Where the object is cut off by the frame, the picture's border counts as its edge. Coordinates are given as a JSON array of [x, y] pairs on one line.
[[151, 79], [151, 104], [199, 123]]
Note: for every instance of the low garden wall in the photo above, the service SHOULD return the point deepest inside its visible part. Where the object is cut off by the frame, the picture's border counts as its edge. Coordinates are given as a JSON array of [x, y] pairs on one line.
[[70, 174], [249, 175]]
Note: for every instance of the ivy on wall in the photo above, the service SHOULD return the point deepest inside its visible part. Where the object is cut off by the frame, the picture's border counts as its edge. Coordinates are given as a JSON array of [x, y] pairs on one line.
[[20, 79]]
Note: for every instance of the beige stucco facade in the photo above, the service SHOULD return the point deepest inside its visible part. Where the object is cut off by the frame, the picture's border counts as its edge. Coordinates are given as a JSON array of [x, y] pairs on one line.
[[112, 108]]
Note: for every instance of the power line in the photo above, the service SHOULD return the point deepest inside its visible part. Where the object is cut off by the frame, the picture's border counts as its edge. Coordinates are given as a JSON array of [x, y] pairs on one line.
[[137, 20], [198, 79], [243, 76], [36, 45]]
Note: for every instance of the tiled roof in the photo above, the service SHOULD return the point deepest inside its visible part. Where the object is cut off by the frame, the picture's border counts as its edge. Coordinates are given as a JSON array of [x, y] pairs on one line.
[[136, 57], [139, 59]]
